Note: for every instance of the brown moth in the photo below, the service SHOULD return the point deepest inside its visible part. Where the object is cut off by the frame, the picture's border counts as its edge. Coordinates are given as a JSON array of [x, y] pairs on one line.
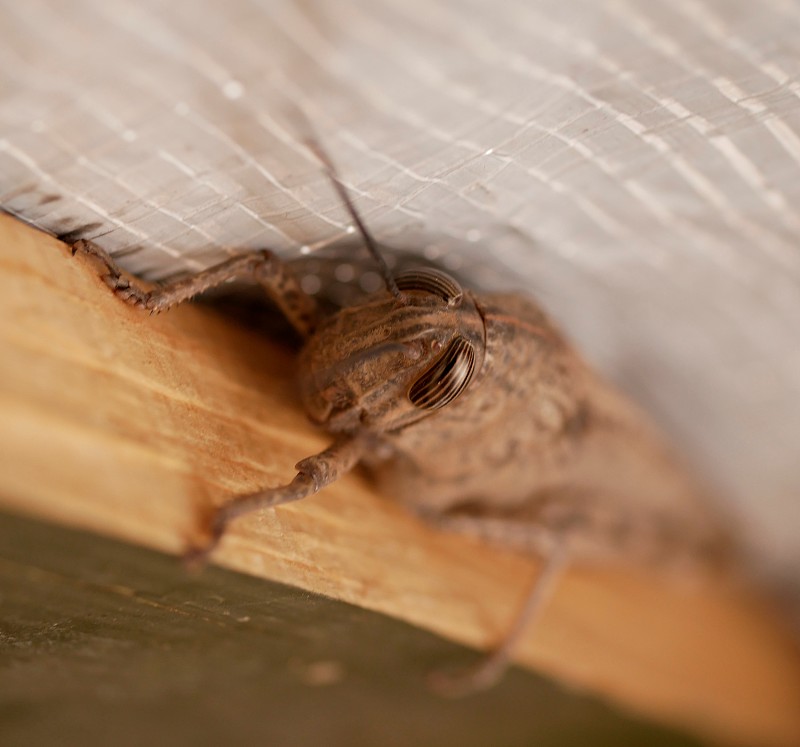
[[475, 412]]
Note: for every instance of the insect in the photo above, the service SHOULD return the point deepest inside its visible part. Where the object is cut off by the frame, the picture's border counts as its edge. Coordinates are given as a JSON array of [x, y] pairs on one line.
[[476, 413]]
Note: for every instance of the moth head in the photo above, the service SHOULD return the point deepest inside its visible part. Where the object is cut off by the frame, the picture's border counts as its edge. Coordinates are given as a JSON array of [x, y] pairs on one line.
[[392, 361]]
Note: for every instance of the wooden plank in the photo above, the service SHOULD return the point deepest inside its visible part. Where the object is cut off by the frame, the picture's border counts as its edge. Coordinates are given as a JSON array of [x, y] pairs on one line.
[[128, 425], [93, 626]]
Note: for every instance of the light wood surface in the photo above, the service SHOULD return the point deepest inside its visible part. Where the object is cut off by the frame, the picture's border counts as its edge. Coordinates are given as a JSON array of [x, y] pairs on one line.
[[633, 164], [128, 425]]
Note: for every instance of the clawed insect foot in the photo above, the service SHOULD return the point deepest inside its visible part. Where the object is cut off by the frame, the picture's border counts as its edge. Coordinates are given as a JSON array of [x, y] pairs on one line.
[[195, 558], [196, 555], [106, 267], [90, 249], [460, 683], [111, 275]]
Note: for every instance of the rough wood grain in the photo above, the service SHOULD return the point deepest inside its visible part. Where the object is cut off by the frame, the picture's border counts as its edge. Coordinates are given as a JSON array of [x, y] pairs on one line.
[[127, 425], [634, 163]]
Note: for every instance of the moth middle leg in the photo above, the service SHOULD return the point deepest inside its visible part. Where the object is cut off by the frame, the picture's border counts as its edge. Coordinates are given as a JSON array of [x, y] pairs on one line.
[[263, 267], [552, 544], [489, 670]]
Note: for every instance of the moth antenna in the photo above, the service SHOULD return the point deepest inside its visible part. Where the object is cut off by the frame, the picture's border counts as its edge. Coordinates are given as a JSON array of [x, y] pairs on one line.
[[372, 247]]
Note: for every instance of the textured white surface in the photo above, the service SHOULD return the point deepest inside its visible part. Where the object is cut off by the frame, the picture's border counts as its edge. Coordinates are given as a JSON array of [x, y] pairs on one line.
[[634, 164]]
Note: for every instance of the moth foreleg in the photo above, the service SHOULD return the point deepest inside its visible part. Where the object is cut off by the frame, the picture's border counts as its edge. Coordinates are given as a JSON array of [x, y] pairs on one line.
[[313, 474], [263, 267]]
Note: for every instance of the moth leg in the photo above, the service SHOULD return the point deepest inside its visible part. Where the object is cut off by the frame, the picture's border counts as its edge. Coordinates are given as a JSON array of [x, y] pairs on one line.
[[487, 672], [264, 267], [313, 474]]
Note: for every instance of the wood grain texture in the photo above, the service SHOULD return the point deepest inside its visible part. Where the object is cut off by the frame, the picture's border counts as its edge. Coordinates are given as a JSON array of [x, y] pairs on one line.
[[634, 164], [128, 425]]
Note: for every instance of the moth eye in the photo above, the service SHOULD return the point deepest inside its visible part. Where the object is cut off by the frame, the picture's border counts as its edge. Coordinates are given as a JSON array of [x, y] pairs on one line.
[[446, 378], [429, 280]]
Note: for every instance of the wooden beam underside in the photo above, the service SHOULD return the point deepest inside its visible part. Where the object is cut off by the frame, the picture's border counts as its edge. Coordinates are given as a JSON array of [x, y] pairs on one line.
[[129, 425]]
